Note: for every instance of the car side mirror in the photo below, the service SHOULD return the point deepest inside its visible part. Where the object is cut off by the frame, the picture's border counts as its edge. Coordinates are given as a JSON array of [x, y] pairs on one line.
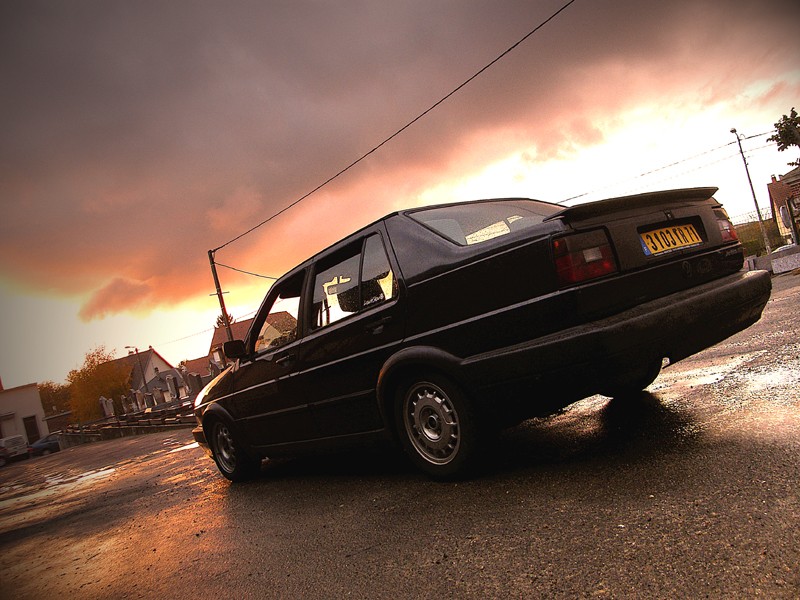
[[234, 349]]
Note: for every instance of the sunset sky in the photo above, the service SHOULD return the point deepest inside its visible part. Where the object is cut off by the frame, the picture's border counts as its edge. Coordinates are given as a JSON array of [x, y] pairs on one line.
[[137, 135]]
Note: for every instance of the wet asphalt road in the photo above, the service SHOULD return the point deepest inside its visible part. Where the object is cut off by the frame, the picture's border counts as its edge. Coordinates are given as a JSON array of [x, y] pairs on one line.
[[693, 492]]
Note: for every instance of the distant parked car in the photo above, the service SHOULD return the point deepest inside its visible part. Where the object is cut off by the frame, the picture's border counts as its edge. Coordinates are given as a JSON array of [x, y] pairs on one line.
[[45, 445], [782, 248], [12, 447], [436, 326]]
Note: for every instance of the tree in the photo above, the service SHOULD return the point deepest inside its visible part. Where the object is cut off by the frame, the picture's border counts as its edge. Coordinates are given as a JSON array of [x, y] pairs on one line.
[[99, 376], [55, 397], [787, 134], [221, 321]]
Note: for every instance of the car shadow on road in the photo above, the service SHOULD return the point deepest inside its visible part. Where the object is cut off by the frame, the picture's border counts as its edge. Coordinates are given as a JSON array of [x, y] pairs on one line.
[[376, 460], [593, 429]]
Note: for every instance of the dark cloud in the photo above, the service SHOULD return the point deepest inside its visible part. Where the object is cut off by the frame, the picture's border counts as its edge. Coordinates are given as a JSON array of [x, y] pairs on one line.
[[137, 135]]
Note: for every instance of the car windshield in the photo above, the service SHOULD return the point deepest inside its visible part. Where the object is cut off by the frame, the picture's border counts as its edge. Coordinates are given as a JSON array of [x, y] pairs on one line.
[[477, 222]]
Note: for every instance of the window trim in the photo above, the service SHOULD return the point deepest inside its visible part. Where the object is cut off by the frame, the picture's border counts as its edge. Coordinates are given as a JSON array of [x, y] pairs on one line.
[[309, 317], [263, 312], [312, 327]]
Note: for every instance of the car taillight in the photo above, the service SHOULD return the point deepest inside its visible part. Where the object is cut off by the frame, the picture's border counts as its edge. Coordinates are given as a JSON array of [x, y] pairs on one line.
[[583, 256], [727, 231]]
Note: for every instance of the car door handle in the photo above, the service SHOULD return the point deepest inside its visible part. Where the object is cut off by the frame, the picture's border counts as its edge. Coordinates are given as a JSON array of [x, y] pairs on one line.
[[285, 360], [376, 327]]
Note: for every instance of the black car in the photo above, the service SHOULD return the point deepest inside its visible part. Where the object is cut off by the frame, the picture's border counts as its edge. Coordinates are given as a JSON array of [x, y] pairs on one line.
[[437, 325]]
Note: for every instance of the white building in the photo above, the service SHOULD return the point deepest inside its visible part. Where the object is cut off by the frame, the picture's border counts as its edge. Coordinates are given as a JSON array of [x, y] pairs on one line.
[[21, 413]]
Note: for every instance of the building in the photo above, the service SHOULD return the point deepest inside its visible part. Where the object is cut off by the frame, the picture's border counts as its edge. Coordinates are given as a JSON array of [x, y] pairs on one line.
[[280, 321], [143, 367], [152, 380], [784, 198], [216, 356], [21, 413], [200, 366]]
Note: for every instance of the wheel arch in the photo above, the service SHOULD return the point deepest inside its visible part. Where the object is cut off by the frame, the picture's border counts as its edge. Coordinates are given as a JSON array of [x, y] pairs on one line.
[[215, 411], [413, 360], [247, 461]]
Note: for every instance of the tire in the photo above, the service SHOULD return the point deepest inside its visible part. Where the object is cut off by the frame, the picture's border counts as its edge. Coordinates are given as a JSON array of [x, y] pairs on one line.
[[229, 453], [631, 383], [436, 426]]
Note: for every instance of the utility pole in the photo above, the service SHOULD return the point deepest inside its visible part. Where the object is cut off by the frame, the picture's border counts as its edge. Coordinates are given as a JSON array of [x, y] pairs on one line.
[[225, 318], [758, 210]]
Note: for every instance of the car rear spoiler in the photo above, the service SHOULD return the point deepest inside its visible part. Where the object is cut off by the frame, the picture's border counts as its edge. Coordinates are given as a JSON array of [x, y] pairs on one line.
[[599, 208]]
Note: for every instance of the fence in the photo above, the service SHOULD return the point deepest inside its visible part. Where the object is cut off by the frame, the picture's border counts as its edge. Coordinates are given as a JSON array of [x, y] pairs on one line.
[[749, 231], [176, 415]]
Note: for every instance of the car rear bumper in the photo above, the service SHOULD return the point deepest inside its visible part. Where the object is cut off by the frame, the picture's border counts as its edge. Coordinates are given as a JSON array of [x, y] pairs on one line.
[[575, 362]]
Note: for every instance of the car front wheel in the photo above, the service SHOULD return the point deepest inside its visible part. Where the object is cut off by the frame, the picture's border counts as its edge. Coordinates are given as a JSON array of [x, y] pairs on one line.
[[437, 426], [229, 454]]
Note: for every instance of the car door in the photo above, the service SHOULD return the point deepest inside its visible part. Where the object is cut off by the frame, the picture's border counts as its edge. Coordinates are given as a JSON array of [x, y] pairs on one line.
[[267, 407], [354, 325]]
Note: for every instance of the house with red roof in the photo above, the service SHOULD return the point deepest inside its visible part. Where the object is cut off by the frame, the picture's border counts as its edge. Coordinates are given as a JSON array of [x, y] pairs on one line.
[[282, 321]]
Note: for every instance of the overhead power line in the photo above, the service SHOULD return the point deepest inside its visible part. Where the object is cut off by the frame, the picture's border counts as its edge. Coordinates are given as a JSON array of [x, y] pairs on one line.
[[673, 164], [219, 264], [402, 129]]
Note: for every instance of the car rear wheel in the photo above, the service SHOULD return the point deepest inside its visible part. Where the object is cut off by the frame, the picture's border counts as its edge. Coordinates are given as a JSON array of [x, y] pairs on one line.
[[631, 383], [229, 454], [437, 426]]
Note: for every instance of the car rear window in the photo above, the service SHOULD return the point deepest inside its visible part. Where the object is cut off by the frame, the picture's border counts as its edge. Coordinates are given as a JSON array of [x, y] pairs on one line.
[[476, 222]]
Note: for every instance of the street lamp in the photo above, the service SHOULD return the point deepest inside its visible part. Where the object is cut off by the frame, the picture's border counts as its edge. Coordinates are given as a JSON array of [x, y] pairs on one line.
[[141, 369], [750, 181]]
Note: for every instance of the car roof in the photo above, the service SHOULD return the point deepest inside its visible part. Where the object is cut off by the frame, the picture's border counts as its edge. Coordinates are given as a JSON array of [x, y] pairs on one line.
[[402, 213]]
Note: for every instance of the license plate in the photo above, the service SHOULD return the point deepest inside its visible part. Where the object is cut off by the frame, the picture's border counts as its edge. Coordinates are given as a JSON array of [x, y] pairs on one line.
[[667, 239]]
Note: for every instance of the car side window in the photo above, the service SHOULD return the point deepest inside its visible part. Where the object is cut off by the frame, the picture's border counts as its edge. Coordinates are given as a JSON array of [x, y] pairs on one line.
[[280, 326], [378, 283], [344, 284], [336, 287]]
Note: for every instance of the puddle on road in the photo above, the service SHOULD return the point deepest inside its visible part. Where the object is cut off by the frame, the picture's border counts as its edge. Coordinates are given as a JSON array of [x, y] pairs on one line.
[[736, 379], [88, 477], [771, 378], [186, 447], [706, 375], [10, 488], [59, 484], [170, 442]]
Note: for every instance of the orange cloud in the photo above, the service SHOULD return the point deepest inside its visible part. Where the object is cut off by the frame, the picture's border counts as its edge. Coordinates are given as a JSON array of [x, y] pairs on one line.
[[116, 296]]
